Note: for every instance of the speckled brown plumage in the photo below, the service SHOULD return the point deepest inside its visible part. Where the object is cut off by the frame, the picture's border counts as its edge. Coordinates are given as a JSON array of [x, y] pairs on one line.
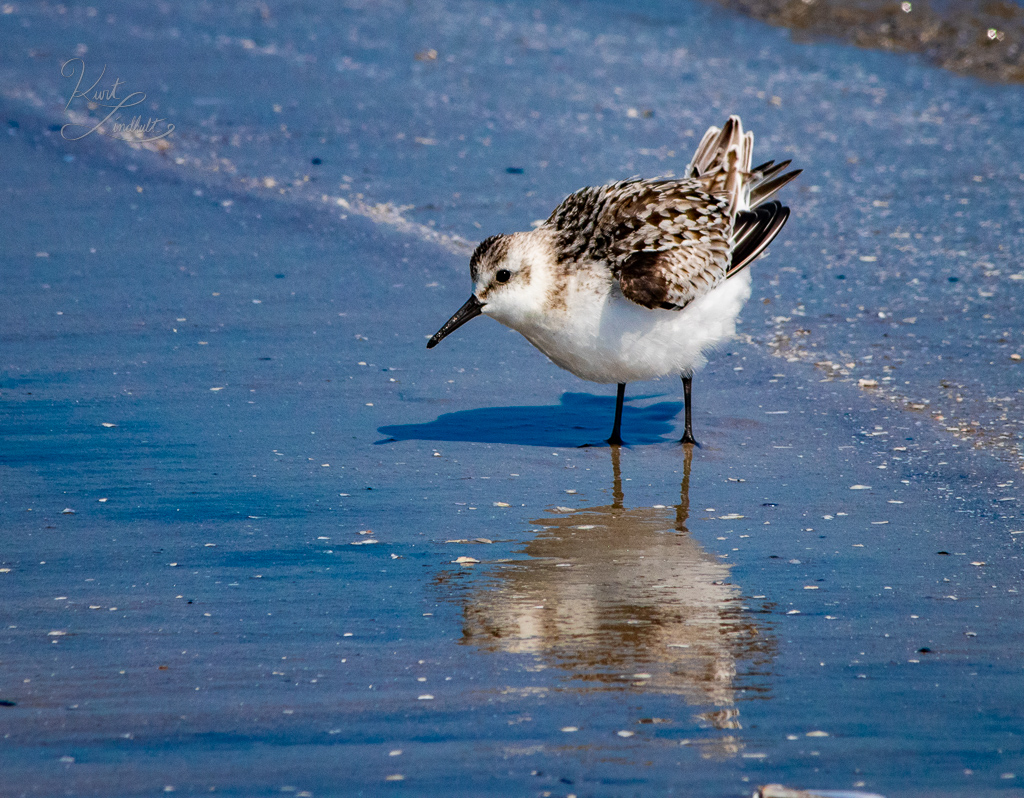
[[668, 241]]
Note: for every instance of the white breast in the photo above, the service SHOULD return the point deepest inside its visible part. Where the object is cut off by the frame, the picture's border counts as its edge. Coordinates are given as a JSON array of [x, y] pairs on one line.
[[603, 337]]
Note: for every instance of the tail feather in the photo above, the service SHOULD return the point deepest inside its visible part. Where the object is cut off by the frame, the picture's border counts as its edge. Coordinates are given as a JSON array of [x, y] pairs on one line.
[[713, 148], [722, 163], [704, 155], [766, 171], [770, 183], [722, 160], [754, 231]]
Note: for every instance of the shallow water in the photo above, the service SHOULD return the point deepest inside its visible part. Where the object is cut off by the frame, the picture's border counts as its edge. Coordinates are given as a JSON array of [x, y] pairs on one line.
[[219, 369]]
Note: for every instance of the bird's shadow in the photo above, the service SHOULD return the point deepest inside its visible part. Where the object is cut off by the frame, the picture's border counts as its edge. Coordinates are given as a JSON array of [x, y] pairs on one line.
[[579, 419]]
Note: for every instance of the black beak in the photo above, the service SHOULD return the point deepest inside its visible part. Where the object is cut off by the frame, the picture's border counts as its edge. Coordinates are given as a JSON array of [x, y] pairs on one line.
[[472, 309]]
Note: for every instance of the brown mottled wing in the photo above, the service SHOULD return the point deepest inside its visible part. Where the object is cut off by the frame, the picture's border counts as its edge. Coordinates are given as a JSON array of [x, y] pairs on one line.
[[667, 241]]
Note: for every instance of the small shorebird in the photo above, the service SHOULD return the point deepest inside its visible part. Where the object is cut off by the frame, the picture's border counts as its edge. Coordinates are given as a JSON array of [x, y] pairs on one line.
[[636, 279]]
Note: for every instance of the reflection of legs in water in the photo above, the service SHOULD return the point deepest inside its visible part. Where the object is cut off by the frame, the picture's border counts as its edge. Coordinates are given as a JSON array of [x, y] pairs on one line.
[[617, 496], [683, 508], [612, 590]]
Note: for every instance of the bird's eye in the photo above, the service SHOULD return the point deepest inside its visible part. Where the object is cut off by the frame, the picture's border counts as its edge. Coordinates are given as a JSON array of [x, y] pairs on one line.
[[503, 275]]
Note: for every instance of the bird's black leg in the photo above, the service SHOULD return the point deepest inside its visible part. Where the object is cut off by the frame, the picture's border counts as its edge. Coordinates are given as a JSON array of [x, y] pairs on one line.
[[688, 403], [616, 438]]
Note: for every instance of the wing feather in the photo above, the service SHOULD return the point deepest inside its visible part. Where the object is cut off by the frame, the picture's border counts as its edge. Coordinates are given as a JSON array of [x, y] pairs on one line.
[[669, 241]]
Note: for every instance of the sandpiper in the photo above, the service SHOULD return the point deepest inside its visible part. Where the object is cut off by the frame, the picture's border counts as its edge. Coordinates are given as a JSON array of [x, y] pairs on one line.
[[637, 279]]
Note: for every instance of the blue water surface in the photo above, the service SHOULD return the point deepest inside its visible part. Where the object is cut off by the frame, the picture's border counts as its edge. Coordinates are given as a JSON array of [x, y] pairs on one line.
[[255, 539]]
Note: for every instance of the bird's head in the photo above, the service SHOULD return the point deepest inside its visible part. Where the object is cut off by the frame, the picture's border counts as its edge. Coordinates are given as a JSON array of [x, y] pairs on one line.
[[509, 281]]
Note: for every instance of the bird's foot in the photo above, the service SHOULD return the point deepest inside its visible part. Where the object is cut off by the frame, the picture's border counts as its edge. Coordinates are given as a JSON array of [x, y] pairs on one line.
[[689, 439]]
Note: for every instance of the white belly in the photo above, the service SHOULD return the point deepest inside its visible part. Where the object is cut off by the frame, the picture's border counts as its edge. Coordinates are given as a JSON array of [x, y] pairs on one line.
[[608, 339]]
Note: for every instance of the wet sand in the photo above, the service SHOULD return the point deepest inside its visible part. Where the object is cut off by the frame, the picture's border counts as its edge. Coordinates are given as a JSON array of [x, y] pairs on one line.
[[235, 487]]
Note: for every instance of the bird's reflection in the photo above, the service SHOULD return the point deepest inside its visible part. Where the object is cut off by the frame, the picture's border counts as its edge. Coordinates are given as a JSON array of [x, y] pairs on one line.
[[625, 598]]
